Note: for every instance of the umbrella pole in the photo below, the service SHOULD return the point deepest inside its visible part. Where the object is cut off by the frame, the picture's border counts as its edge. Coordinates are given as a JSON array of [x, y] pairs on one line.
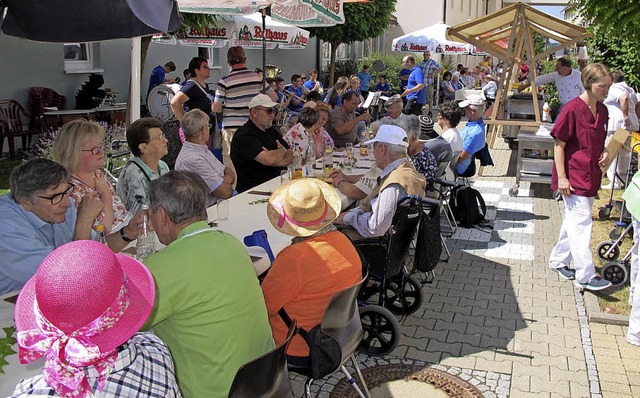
[[264, 42], [134, 96]]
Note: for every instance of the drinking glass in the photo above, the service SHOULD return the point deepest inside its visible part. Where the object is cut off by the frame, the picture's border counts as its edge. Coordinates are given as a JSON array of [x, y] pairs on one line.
[[349, 147], [223, 210], [284, 175]]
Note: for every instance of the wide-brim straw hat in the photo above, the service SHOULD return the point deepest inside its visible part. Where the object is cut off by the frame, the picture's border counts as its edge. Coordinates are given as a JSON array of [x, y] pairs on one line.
[[303, 207], [77, 282]]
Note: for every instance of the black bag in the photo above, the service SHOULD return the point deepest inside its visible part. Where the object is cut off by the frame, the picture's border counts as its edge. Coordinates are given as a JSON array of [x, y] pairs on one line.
[[428, 241], [325, 354], [468, 206]]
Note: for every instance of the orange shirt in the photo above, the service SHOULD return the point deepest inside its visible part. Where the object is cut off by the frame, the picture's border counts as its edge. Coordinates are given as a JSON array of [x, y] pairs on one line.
[[303, 278]]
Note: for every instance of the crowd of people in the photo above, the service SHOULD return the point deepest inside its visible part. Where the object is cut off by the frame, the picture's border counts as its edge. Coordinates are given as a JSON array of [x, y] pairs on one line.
[[209, 313]]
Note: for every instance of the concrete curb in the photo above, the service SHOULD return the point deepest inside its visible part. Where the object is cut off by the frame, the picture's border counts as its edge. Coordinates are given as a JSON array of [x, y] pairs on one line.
[[596, 315]]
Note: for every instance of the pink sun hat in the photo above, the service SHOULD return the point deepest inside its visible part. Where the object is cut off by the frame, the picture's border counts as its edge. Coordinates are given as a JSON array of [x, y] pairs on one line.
[[83, 302]]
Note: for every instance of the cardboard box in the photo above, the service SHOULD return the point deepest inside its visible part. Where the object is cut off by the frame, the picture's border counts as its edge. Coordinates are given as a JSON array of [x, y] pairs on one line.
[[613, 145]]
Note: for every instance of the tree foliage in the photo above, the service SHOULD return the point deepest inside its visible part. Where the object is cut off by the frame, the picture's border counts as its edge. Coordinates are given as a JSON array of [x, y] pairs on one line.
[[362, 21], [617, 52], [619, 17]]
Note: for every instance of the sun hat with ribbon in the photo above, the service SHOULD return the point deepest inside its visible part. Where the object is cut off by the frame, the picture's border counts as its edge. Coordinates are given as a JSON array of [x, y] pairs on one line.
[[83, 302], [303, 207]]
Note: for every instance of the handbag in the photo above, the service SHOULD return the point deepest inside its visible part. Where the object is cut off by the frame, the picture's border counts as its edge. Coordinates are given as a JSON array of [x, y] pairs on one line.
[[325, 354]]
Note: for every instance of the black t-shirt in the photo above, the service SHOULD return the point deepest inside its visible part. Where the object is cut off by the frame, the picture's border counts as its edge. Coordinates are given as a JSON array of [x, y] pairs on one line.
[[247, 143], [197, 98]]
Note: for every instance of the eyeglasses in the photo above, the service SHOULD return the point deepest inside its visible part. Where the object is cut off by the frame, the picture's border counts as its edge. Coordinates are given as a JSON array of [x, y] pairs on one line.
[[159, 137], [96, 150], [272, 111], [57, 198]]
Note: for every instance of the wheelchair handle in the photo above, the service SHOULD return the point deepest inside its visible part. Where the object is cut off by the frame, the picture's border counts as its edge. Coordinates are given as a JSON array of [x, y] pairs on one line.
[[418, 199]]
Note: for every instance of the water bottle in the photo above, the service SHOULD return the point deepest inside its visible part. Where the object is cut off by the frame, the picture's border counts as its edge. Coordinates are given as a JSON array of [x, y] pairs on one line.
[[310, 161], [297, 162], [327, 160], [145, 244], [102, 235]]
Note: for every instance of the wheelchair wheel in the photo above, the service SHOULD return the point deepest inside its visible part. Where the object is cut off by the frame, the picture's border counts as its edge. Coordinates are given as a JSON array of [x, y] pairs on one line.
[[405, 299], [615, 272], [602, 249], [380, 331], [604, 213]]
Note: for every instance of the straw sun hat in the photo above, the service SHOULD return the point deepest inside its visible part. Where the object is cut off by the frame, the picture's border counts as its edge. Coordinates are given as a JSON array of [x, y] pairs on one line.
[[81, 290], [302, 207]]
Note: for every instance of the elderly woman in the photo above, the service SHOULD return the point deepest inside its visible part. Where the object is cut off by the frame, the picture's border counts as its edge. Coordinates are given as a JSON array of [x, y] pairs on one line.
[[148, 145], [455, 81], [321, 261], [421, 156], [79, 147], [579, 154], [394, 108], [448, 91]]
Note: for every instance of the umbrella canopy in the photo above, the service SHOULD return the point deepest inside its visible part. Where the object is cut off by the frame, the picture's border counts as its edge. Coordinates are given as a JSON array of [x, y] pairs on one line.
[[432, 38], [241, 30], [293, 12], [69, 21]]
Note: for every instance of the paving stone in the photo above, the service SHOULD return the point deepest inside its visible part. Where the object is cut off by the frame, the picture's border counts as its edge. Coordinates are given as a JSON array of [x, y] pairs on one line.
[[578, 389], [493, 366], [615, 388]]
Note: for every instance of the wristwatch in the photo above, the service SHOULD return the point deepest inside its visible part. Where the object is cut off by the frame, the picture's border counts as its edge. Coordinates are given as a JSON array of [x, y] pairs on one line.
[[125, 237]]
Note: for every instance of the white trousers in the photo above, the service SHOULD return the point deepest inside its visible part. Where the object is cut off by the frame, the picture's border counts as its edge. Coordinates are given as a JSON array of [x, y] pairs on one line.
[[574, 242], [633, 334]]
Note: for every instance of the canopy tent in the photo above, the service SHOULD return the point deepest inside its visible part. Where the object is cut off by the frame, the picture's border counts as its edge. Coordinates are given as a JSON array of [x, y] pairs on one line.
[[307, 13], [65, 21], [515, 25], [240, 30], [432, 38]]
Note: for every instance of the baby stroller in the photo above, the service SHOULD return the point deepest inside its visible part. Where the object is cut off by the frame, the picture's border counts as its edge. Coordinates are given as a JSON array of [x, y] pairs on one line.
[[390, 289]]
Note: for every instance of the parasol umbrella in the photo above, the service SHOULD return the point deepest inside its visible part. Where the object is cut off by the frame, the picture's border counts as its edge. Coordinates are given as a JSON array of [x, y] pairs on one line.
[[432, 38], [64, 21]]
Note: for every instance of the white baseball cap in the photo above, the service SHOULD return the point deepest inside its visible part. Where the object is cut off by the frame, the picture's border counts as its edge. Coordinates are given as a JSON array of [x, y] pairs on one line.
[[475, 99], [261, 100], [391, 135]]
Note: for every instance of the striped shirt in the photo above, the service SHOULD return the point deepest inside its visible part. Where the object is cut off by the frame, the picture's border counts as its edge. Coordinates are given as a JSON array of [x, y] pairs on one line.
[[144, 368], [428, 68], [235, 91]]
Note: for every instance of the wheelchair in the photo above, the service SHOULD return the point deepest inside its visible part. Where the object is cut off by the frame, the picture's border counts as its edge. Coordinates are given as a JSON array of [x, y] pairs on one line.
[[390, 289]]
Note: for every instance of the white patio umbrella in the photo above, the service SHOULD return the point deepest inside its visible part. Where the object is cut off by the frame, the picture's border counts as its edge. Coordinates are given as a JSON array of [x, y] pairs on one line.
[[432, 38]]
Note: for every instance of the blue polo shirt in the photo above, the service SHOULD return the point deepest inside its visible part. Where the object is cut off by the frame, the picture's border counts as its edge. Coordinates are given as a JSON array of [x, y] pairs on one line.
[[157, 77], [403, 83], [473, 139], [299, 92], [25, 240], [416, 77], [365, 78]]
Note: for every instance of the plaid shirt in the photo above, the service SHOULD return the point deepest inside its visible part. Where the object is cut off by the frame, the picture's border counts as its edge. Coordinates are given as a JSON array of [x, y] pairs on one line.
[[144, 368], [428, 67]]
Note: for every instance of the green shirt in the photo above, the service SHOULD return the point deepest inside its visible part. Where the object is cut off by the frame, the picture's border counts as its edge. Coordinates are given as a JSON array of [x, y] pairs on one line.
[[209, 309], [133, 183], [632, 196]]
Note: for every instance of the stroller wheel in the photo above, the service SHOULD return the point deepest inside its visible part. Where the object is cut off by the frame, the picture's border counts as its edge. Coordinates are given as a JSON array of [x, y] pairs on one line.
[[615, 272], [604, 213], [380, 331], [615, 232], [604, 247], [404, 295], [513, 191]]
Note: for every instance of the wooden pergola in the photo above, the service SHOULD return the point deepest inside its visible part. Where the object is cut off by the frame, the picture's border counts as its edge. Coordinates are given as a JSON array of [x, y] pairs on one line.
[[515, 25]]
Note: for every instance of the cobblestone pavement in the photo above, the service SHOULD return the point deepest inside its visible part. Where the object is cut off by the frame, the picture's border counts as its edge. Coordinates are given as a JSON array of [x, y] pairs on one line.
[[496, 307]]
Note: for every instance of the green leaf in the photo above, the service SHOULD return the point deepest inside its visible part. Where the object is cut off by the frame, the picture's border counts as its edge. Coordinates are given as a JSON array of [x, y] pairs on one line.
[[6, 348]]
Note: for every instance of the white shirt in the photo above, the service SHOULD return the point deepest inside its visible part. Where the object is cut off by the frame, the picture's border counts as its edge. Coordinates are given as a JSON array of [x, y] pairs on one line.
[[453, 137], [616, 91], [568, 87]]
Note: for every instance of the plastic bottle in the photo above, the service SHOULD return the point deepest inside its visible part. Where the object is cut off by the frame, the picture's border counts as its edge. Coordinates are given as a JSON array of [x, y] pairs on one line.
[[145, 244], [327, 160], [102, 235], [310, 161], [297, 162], [546, 113]]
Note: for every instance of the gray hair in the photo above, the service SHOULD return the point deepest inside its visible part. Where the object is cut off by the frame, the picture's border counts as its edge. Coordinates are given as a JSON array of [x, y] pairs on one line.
[[375, 125], [28, 179], [182, 194], [193, 123], [396, 151], [478, 108], [409, 123]]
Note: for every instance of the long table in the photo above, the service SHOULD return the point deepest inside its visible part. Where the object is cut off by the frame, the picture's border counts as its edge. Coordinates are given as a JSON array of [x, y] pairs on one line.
[[245, 217]]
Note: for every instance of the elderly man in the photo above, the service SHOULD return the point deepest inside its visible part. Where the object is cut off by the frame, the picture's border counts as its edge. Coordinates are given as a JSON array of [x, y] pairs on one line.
[[398, 178], [84, 294], [258, 151], [473, 133], [568, 81], [234, 92], [39, 216], [148, 145], [415, 92], [430, 70], [343, 126], [195, 156], [209, 308], [394, 107]]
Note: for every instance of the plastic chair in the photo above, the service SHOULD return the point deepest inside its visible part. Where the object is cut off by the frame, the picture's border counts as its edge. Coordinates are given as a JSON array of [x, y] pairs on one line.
[[38, 99], [259, 238], [11, 125], [266, 376], [341, 322]]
